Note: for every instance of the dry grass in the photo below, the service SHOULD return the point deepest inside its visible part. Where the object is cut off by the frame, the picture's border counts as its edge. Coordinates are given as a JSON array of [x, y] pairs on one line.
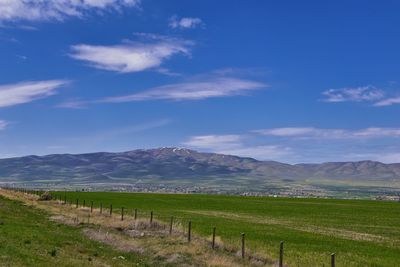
[[141, 236]]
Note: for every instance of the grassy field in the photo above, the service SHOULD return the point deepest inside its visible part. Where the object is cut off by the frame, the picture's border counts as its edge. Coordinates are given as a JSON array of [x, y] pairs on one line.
[[28, 238], [360, 232]]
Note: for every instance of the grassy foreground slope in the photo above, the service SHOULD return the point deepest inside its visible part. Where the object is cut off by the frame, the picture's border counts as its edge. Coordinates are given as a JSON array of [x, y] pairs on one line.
[[361, 233], [28, 238]]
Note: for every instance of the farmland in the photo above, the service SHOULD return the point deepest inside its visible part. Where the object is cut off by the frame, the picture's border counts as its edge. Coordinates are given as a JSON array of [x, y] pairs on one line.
[[29, 238], [360, 232]]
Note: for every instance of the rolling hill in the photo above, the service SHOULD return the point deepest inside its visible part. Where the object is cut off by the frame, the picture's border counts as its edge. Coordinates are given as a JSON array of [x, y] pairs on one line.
[[165, 164]]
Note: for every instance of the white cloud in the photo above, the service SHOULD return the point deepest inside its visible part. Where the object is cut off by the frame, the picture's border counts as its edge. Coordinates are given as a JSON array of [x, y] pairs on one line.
[[3, 124], [358, 94], [288, 131], [195, 90], [24, 92], [305, 144], [388, 102], [131, 56], [214, 141], [184, 23], [234, 145], [43, 10], [73, 104], [310, 132]]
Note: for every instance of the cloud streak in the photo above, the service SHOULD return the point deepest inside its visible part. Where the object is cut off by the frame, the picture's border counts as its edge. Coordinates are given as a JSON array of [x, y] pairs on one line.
[[388, 102], [357, 94], [310, 132], [214, 141], [131, 56], [194, 90], [25, 92], [235, 145], [3, 124], [58, 10], [305, 144]]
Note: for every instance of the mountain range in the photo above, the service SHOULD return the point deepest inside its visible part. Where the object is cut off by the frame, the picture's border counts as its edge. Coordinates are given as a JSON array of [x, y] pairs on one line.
[[166, 164]]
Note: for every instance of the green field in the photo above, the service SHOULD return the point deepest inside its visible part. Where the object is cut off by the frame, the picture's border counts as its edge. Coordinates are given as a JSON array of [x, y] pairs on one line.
[[360, 232], [29, 238]]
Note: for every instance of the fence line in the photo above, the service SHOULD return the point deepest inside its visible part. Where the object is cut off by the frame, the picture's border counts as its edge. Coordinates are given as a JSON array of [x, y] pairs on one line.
[[173, 220]]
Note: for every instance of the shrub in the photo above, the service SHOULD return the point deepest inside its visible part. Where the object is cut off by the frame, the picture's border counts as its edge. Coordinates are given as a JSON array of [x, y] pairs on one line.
[[45, 196]]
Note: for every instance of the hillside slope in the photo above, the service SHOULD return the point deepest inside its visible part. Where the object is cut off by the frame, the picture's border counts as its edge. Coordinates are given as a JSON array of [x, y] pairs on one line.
[[179, 164]]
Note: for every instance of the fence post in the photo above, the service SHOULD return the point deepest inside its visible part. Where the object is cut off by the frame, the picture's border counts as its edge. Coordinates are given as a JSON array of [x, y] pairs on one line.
[[135, 216], [151, 217], [122, 214], [91, 206], [190, 231], [213, 237], [243, 246], [101, 207], [110, 210], [333, 260], [84, 203], [77, 203], [281, 254], [170, 225]]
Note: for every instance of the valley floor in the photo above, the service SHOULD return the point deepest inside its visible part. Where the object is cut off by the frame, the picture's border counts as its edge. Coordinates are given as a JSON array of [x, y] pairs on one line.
[[360, 232], [52, 233]]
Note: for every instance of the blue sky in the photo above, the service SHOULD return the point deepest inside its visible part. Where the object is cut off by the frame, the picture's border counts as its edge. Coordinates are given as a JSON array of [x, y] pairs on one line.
[[293, 81]]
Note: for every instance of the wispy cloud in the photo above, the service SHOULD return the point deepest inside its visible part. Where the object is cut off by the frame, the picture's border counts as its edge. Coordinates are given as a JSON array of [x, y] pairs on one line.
[[73, 104], [305, 144], [132, 56], [203, 88], [184, 23], [3, 124], [235, 145], [216, 142], [58, 10], [24, 92], [310, 132], [357, 94], [388, 102]]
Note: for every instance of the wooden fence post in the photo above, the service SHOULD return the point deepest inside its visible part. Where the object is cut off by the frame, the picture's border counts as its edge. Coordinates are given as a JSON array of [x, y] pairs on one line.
[[213, 237], [77, 203], [190, 231], [122, 214], [110, 210], [333, 260], [135, 215], [281, 254], [84, 203], [243, 246], [151, 217], [101, 207], [170, 225], [91, 206]]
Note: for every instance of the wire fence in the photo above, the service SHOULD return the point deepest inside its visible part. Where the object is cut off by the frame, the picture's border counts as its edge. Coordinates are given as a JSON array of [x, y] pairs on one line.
[[172, 223]]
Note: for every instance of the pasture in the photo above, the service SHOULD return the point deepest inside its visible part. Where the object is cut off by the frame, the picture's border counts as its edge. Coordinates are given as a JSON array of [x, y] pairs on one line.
[[29, 238], [360, 232]]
